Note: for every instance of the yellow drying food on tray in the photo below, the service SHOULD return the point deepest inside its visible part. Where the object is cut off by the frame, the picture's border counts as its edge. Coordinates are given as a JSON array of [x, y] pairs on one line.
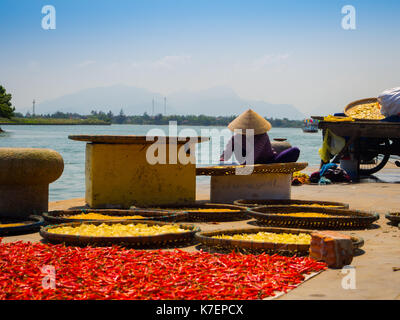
[[306, 215], [315, 205], [8, 225], [117, 230], [213, 210], [99, 216], [289, 238], [368, 111], [331, 118], [204, 210]]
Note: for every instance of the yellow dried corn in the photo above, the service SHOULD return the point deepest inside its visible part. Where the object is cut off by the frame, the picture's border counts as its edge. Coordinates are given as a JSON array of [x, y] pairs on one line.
[[202, 210], [7, 225], [315, 205], [289, 238], [99, 216], [368, 111], [306, 215], [117, 230]]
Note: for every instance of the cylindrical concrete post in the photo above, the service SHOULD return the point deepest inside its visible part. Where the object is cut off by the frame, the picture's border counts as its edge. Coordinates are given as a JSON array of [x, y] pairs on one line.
[[25, 175]]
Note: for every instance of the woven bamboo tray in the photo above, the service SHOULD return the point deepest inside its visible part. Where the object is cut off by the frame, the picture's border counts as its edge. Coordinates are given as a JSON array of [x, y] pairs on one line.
[[60, 216], [210, 216], [138, 242], [31, 224], [393, 217], [357, 103], [286, 202], [346, 219], [206, 238], [284, 168], [134, 139]]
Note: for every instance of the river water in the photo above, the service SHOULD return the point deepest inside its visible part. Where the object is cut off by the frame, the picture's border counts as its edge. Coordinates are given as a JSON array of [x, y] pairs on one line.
[[72, 182]]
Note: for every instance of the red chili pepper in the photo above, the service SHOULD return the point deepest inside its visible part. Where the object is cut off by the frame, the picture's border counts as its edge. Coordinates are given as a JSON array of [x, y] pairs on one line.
[[118, 273]]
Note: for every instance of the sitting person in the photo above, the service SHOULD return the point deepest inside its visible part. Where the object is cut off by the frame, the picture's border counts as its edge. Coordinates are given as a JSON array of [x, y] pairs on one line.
[[259, 141]]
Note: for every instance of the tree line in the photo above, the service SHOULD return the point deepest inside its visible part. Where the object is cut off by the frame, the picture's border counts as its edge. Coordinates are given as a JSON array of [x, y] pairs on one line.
[[160, 119], [8, 111]]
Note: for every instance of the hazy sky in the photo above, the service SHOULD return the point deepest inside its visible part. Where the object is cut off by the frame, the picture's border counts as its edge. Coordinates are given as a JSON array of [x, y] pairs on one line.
[[293, 52]]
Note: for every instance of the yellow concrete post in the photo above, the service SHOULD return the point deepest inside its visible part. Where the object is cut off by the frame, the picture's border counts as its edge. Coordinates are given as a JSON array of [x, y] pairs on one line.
[[119, 175]]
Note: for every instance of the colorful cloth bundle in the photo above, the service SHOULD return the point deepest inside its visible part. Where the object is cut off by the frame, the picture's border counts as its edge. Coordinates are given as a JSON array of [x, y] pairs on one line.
[[300, 178], [329, 173]]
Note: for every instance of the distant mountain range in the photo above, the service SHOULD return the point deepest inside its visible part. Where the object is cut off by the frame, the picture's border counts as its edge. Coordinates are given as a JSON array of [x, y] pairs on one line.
[[216, 101]]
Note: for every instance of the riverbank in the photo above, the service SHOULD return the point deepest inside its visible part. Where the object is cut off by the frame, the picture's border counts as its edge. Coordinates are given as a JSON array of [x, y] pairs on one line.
[[51, 121]]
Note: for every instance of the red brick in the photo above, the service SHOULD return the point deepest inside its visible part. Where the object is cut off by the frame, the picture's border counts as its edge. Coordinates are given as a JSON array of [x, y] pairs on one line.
[[334, 248]]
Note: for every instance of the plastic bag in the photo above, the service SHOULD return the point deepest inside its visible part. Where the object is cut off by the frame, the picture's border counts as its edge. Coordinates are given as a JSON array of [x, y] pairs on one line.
[[390, 102], [332, 145]]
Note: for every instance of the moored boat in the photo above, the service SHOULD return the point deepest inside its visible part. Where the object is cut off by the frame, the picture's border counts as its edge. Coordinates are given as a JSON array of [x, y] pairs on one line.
[[310, 126]]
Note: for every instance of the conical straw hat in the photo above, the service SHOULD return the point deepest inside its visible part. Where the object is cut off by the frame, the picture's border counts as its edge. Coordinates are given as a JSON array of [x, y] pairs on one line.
[[250, 120]]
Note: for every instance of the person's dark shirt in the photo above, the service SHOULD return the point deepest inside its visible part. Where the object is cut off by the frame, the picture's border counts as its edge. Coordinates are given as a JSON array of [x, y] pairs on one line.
[[263, 151]]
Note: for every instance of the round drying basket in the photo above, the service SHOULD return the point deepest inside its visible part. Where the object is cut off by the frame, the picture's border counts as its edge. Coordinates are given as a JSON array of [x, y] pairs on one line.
[[246, 246], [160, 240], [393, 217], [358, 103], [294, 203], [282, 168], [222, 212], [28, 225], [62, 216], [343, 218]]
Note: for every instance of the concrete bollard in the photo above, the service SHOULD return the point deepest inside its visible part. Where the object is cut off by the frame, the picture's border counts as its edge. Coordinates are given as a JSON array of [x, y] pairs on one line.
[[25, 175]]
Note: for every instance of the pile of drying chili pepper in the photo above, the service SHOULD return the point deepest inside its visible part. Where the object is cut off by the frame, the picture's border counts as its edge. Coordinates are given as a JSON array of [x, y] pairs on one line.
[[118, 273]]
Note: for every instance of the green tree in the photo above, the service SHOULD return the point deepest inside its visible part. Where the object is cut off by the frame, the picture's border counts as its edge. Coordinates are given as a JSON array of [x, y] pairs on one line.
[[6, 109], [120, 118]]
